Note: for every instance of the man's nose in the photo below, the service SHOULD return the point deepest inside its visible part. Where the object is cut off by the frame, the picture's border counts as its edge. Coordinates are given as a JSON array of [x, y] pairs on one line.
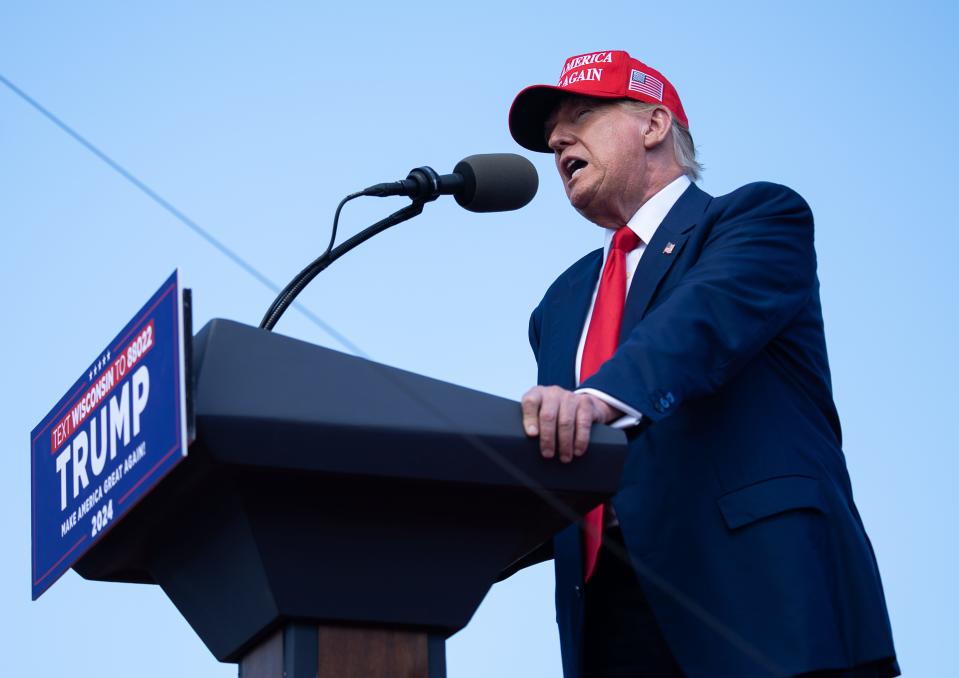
[[559, 138]]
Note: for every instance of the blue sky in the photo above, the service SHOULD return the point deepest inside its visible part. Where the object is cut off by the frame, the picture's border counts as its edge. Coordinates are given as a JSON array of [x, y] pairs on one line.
[[255, 119]]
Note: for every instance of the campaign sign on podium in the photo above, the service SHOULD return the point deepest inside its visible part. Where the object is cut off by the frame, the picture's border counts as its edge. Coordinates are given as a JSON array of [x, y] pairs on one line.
[[115, 434]]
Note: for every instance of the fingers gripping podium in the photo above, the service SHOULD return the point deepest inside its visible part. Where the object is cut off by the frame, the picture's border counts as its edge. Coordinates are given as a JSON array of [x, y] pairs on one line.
[[338, 517]]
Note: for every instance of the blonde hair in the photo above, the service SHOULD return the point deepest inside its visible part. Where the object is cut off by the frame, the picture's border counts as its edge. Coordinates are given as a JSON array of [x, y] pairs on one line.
[[683, 147]]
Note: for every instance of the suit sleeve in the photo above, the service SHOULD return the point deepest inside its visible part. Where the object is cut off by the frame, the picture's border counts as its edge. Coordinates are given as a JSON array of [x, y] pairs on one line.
[[755, 272]]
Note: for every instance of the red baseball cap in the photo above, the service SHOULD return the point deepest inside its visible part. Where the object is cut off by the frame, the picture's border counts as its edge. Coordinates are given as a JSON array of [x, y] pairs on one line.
[[604, 75]]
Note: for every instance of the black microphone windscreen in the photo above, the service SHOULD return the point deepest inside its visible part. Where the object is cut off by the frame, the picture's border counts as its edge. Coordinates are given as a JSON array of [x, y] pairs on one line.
[[496, 182]]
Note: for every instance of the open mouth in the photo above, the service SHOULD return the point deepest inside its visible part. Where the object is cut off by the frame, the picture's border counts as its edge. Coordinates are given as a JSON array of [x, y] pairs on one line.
[[573, 166]]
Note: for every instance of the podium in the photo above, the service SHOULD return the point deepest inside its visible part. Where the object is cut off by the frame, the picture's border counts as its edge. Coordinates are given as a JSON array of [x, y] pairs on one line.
[[338, 517]]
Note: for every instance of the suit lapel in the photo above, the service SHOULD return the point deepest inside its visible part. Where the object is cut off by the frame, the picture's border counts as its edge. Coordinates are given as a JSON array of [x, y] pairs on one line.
[[568, 315], [568, 311], [661, 252]]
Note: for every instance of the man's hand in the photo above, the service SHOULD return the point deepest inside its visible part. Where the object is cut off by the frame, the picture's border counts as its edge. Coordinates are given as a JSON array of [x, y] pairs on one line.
[[562, 419]]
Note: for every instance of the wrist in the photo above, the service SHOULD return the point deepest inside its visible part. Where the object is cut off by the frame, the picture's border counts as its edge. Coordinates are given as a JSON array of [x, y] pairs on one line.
[[605, 412]]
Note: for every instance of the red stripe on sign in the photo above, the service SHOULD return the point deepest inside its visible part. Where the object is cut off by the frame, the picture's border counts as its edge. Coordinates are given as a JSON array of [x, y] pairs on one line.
[[106, 381], [66, 403], [62, 558], [149, 473], [147, 312]]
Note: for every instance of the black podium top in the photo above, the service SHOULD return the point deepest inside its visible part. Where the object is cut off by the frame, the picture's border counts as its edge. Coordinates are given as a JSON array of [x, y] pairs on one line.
[[327, 487]]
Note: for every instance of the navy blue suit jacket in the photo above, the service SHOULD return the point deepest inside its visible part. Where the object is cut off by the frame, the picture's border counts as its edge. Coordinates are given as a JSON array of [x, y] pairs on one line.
[[735, 503]]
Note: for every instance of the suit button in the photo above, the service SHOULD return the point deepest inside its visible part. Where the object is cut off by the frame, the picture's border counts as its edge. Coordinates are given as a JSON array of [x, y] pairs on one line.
[[579, 591], [663, 403], [670, 398]]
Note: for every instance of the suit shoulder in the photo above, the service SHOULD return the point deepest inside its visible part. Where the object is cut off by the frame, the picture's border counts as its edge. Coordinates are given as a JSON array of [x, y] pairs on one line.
[[761, 200], [765, 195]]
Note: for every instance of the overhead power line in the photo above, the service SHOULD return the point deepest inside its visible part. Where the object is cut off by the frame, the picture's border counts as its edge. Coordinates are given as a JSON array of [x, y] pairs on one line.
[[179, 215]]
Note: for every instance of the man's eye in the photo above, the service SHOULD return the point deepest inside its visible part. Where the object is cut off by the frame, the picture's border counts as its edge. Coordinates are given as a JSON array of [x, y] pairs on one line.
[[581, 112]]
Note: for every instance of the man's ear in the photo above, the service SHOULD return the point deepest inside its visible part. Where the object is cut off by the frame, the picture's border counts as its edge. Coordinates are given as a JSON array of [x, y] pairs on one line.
[[660, 123]]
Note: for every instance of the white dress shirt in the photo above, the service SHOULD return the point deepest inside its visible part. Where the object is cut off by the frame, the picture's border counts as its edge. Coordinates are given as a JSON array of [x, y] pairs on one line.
[[644, 224]]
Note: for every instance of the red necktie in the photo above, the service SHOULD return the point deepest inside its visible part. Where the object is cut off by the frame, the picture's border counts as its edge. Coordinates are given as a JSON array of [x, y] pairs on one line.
[[602, 337]]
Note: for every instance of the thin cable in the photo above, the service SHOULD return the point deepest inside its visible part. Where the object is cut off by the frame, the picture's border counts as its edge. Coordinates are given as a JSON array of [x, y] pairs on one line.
[[678, 596], [285, 298], [180, 216]]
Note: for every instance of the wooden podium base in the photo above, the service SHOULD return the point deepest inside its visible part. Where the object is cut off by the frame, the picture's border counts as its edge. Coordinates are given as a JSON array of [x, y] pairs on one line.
[[303, 650]]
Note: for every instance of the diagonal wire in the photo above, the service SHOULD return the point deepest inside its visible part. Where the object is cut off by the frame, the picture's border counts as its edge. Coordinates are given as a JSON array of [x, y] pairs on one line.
[[180, 216], [654, 578]]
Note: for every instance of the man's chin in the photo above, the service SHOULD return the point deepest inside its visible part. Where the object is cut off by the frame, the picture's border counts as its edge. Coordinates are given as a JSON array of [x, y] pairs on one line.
[[582, 205], [580, 199]]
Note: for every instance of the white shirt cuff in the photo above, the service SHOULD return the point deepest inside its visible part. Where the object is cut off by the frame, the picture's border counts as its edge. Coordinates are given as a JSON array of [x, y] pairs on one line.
[[631, 417]]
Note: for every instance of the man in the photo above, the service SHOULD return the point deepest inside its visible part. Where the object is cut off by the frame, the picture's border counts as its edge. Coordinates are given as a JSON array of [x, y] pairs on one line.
[[733, 547]]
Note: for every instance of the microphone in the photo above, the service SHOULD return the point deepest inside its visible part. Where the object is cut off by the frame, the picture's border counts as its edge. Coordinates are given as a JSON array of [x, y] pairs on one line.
[[486, 182]]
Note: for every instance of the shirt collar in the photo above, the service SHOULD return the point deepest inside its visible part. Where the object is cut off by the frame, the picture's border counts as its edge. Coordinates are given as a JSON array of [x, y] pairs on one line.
[[652, 212]]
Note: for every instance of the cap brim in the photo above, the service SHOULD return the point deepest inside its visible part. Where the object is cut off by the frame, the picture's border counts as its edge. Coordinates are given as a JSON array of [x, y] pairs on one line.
[[531, 107], [527, 116]]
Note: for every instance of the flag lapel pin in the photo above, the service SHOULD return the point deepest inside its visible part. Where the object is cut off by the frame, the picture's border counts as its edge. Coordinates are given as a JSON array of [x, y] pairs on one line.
[[669, 248]]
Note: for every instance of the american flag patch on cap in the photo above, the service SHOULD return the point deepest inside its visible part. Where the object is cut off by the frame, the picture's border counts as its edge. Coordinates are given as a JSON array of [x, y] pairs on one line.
[[647, 84]]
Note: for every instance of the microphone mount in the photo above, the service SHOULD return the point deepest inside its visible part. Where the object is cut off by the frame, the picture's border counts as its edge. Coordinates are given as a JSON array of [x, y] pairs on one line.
[[422, 183]]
